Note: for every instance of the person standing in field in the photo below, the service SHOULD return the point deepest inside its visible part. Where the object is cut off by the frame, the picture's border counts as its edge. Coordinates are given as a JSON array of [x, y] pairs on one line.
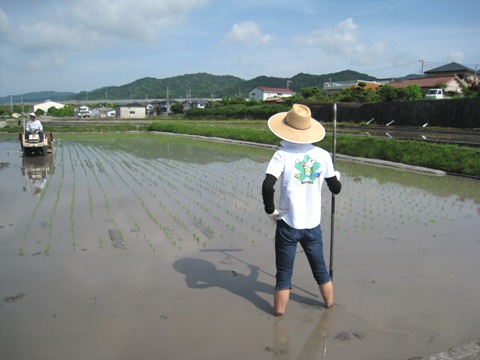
[[301, 168]]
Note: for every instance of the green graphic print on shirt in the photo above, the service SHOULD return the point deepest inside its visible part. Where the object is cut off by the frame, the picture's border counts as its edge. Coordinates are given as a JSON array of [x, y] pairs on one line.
[[307, 170]]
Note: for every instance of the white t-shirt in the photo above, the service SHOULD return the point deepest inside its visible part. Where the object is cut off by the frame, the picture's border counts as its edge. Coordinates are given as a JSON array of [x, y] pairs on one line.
[[34, 125], [301, 169]]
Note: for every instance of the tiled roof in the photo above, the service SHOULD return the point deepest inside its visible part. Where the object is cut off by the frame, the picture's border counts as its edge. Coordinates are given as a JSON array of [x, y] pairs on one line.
[[423, 82], [277, 90], [452, 67]]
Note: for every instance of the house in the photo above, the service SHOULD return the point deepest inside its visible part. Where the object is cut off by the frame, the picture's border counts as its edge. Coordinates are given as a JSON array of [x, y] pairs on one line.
[[102, 112], [337, 86], [132, 111], [263, 93], [83, 111], [46, 105], [464, 73], [452, 84]]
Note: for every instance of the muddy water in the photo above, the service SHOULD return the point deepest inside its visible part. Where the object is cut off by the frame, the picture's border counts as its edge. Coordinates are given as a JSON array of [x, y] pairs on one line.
[[152, 246]]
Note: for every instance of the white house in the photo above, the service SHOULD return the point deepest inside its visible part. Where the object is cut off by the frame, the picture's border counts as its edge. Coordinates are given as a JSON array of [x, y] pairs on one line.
[[46, 105], [102, 112], [132, 111], [83, 111], [262, 93]]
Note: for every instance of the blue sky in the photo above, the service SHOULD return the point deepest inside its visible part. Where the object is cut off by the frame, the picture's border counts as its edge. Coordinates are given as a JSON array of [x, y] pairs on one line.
[[75, 45]]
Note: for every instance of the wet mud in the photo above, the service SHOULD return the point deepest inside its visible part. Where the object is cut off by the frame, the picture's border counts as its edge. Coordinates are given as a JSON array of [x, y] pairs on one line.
[[152, 246]]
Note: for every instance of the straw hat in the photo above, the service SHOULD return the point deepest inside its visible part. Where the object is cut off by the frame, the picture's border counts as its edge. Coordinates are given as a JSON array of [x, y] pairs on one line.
[[32, 114], [297, 126]]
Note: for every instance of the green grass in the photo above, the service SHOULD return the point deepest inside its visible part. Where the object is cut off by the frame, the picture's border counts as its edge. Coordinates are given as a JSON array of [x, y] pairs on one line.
[[456, 159]]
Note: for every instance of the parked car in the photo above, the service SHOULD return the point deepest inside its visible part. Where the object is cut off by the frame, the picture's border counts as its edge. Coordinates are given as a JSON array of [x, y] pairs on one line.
[[436, 94]]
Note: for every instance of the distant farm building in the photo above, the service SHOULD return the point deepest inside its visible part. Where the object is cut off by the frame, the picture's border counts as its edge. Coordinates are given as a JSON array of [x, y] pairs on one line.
[[132, 111], [46, 105], [263, 93]]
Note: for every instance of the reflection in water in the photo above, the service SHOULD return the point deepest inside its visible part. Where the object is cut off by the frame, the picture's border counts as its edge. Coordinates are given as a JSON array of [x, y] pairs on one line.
[[36, 169], [315, 345]]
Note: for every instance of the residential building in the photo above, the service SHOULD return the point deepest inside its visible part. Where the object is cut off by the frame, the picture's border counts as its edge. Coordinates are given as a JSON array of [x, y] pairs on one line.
[[464, 73], [334, 87], [262, 93], [132, 111], [83, 111], [452, 84], [102, 112]]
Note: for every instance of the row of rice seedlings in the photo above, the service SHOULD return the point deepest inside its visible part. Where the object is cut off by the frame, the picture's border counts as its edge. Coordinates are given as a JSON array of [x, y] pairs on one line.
[[90, 153], [246, 206], [72, 203], [185, 202], [361, 206], [153, 179], [166, 231], [89, 191], [58, 193], [203, 180]]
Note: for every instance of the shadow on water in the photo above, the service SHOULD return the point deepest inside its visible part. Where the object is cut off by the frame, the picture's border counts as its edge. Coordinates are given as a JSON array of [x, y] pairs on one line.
[[202, 274]]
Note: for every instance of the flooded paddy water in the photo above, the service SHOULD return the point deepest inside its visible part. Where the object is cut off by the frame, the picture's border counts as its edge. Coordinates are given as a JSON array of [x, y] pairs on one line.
[[153, 246]]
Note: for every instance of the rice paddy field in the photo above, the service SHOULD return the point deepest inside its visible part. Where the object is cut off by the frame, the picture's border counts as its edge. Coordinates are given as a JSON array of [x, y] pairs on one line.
[[156, 246]]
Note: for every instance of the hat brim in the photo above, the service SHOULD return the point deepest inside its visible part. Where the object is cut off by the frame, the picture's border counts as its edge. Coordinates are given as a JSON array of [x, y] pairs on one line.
[[278, 125]]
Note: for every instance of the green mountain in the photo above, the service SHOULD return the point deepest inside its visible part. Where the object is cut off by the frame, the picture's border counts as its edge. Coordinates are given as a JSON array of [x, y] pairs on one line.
[[34, 97], [302, 80], [203, 85], [200, 85]]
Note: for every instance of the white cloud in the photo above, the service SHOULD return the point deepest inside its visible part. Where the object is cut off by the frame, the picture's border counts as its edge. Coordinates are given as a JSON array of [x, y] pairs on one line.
[[340, 38], [90, 23], [247, 32], [343, 40], [49, 36], [131, 19]]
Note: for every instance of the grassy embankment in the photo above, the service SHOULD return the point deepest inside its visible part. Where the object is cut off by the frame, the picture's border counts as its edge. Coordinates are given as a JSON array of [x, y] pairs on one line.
[[450, 158]]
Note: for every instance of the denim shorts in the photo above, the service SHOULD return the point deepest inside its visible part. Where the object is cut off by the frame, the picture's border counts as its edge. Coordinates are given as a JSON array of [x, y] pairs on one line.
[[286, 239]]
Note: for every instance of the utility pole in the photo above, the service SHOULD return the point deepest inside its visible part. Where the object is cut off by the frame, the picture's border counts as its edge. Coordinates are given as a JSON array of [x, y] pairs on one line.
[[288, 84], [422, 61], [168, 102]]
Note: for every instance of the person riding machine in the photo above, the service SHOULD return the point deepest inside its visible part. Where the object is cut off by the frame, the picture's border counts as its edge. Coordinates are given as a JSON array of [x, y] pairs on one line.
[[33, 140]]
